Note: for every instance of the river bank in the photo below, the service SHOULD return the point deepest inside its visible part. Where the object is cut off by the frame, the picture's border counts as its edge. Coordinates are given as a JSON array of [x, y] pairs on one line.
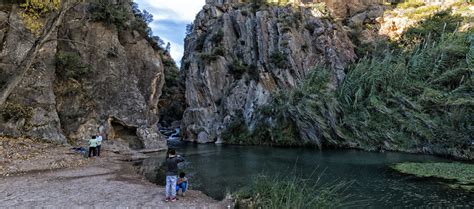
[[108, 181]]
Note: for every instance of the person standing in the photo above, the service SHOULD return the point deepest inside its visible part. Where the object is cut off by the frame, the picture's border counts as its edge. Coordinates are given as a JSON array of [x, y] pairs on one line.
[[99, 143], [171, 174], [92, 146]]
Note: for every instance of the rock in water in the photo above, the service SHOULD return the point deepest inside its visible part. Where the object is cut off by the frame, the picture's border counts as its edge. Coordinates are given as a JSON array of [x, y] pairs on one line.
[[237, 55]]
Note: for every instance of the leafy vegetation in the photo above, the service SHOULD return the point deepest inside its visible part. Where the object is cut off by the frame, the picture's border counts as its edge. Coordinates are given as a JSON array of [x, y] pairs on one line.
[[438, 24], [419, 96], [279, 59], [117, 14], [33, 11], [459, 174], [411, 4], [108, 12], [291, 192], [70, 66], [218, 37]]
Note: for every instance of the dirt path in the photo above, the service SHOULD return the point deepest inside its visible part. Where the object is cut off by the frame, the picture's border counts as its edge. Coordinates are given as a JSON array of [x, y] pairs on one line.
[[101, 184], [34, 174]]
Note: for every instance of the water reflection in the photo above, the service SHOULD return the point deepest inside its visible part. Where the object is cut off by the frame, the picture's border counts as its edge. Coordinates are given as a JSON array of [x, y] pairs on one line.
[[216, 169]]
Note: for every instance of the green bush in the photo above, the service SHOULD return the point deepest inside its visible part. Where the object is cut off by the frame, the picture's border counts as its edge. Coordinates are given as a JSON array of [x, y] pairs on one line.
[[69, 66], [108, 12], [440, 23], [218, 37], [279, 60], [208, 57], [236, 132], [200, 41], [219, 51], [411, 98], [237, 69], [411, 4]]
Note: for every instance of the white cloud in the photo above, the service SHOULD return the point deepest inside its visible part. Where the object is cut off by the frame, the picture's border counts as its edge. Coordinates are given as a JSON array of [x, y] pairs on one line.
[[168, 15], [183, 10], [177, 50]]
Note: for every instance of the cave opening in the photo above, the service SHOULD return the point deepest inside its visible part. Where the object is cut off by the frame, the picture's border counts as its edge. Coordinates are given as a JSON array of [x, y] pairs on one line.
[[126, 133]]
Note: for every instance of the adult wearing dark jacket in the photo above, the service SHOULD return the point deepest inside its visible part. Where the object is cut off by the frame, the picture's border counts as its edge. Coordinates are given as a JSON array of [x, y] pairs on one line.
[[172, 174]]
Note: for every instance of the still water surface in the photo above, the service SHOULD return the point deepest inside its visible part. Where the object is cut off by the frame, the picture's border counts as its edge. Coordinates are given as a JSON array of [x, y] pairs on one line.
[[218, 169]]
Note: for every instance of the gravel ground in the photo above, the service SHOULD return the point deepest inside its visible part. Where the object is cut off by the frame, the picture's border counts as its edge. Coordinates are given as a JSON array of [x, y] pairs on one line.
[[101, 184], [77, 182]]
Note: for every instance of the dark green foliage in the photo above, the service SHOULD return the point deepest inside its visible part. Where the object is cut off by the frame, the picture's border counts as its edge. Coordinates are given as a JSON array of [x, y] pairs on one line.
[[279, 59], [108, 12], [412, 98], [311, 105], [70, 66], [200, 41], [140, 23], [253, 73], [218, 37], [237, 69], [117, 14], [208, 58], [220, 51], [292, 192], [440, 23], [237, 131], [211, 57], [418, 97], [168, 62]]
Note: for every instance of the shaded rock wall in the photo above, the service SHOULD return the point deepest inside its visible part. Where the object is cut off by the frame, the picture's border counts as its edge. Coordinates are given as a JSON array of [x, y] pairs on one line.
[[236, 57], [122, 80]]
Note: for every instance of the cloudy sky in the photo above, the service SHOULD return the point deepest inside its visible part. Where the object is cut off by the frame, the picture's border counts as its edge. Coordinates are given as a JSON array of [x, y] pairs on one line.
[[170, 20]]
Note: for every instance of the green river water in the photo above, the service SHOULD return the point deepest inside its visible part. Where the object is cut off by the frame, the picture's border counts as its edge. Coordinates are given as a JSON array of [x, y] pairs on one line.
[[219, 169]]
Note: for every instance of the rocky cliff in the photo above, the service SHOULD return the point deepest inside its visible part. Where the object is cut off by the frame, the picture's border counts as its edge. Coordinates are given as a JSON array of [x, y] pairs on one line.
[[88, 76], [238, 55]]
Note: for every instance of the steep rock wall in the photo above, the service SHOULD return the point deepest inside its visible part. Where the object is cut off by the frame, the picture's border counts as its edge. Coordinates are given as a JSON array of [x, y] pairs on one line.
[[238, 55], [117, 79]]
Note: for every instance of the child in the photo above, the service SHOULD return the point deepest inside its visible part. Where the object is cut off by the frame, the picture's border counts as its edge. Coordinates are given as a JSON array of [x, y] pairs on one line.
[[182, 183], [92, 146], [171, 174]]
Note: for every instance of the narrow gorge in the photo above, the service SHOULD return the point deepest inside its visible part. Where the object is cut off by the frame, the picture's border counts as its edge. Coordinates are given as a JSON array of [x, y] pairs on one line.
[[270, 103]]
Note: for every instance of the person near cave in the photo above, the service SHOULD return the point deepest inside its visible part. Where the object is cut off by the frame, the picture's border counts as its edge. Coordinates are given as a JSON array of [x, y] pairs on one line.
[[171, 174], [92, 146], [99, 143]]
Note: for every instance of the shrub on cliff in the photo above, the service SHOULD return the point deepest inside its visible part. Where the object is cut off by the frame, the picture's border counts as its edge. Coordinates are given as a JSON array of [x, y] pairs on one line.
[[108, 12], [70, 66]]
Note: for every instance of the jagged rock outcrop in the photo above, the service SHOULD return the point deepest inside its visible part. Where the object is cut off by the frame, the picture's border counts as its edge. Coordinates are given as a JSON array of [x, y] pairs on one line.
[[89, 75], [238, 55]]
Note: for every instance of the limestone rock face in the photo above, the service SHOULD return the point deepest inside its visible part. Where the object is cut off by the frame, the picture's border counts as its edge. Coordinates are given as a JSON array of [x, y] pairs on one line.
[[117, 81], [237, 56]]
